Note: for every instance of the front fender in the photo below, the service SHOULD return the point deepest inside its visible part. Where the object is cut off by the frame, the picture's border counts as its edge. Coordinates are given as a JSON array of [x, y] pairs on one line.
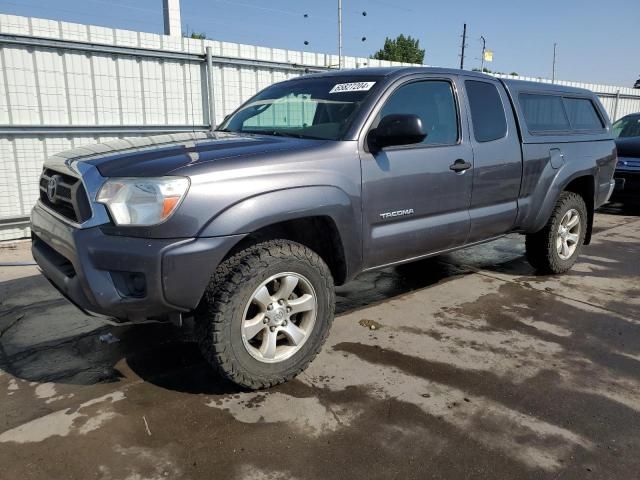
[[269, 208]]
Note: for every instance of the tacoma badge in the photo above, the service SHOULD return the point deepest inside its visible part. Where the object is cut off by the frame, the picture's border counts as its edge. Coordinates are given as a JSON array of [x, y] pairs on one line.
[[397, 213]]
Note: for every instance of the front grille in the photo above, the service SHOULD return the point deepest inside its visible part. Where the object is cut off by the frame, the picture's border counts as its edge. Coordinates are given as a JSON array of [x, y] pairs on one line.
[[69, 197]]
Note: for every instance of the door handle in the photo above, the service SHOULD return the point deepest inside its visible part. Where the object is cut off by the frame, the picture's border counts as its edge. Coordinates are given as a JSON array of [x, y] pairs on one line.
[[460, 166]]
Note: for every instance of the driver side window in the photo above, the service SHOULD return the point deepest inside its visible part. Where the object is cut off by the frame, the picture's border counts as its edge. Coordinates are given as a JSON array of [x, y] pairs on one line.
[[434, 103]]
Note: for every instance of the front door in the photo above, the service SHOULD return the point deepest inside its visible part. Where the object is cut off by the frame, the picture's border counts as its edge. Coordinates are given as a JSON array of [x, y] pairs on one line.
[[416, 197]]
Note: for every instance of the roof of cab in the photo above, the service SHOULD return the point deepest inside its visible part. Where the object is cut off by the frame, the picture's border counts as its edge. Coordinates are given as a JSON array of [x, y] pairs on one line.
[[511, 84], [395, 72], [520, 85]]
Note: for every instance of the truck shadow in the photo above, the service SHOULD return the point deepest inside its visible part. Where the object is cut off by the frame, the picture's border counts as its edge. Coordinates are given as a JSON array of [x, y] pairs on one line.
[[627, 206], [44, 339], [49, 341]]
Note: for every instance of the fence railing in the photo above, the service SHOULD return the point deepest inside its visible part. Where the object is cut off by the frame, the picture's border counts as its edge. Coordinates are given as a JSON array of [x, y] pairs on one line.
[[63, 85]]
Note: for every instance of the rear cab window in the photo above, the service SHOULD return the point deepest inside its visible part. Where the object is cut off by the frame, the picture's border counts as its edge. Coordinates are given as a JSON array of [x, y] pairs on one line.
[[552, 113], [487, 111], [582, 114], [544, 113]]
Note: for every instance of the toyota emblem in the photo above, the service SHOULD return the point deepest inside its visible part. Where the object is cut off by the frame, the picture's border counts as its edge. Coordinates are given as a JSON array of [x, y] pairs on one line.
[[52, 186]]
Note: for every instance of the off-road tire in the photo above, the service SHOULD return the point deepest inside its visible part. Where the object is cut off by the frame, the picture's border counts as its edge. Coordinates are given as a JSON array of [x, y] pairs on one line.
[[220, 314], [541, 246]]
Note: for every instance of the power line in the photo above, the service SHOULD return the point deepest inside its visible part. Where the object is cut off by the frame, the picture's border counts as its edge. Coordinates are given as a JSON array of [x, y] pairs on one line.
[[123, 5], [260, 7], [80, 13], [95, 17], [393, 6]]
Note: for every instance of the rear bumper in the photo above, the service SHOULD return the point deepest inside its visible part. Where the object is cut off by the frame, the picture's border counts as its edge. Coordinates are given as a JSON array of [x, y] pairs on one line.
[[124, 277]]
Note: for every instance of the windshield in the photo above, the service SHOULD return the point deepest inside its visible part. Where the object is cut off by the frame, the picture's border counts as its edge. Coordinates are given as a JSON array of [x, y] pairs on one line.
[[627, 127], [321, 108]]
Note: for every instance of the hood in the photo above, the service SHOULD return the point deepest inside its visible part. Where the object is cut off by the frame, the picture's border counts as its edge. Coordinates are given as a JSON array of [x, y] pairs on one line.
[[159, 155], [628, 147]]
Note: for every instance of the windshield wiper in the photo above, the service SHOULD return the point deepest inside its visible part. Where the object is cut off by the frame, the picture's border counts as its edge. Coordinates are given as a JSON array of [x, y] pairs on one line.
[[273, 133], [278, 133]]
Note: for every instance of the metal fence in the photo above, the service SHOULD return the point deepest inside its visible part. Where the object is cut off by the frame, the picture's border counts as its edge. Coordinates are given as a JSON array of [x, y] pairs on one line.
[[63, 85]]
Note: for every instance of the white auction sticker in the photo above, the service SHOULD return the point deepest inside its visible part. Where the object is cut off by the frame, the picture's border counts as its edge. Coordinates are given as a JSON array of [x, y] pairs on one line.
[[352, 87]]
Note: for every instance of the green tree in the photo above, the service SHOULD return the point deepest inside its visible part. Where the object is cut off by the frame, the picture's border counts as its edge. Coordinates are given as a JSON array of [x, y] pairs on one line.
[[486, 70], [401, 49], [197, 36]]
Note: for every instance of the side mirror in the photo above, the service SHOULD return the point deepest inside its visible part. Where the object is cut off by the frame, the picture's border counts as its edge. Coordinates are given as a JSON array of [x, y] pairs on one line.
[[396, 129]]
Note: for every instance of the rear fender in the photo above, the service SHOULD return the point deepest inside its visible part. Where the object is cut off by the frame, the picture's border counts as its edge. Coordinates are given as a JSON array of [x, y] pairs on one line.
[[543, 201]]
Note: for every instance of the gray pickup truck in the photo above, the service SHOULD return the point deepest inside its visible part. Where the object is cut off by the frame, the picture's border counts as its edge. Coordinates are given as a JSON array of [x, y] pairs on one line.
[[309, 183]]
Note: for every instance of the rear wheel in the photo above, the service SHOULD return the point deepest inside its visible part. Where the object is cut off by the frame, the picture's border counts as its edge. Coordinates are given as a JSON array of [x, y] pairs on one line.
[[266, 313], [555, 248]]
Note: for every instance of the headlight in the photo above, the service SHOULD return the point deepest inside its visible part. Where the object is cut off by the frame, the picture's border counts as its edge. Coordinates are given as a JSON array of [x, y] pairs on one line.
[[142, 201]]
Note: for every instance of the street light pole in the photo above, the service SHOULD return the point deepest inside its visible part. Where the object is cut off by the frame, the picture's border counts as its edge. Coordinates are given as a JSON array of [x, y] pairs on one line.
[[464, 40], [340, 34], [553, 69], [484, 46]]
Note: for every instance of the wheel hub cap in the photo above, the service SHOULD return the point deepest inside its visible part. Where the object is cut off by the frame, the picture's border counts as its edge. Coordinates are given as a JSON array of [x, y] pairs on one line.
[[279, 317], [568, 234]]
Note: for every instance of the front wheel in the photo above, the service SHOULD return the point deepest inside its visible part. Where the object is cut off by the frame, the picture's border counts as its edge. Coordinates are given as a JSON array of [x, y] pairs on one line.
[[266, 313], [555, 248]]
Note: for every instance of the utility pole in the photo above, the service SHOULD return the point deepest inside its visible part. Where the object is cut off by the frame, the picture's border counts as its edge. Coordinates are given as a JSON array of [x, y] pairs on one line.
[[484, 47], [464, 41], [340, 34], [553, 69]]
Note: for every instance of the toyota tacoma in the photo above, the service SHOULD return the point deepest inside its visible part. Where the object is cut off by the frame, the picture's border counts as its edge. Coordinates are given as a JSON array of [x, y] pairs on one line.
[[309, 183]]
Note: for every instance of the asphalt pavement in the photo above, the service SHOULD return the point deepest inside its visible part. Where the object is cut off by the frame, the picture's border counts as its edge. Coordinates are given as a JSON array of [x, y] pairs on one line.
[[467, 365]]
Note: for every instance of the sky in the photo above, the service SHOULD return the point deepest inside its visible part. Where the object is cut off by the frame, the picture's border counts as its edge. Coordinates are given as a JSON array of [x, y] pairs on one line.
[[597, 41]]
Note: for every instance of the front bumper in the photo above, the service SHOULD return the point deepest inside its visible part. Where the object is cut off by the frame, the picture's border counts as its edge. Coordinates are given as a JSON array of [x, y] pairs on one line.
[[126, 278]]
